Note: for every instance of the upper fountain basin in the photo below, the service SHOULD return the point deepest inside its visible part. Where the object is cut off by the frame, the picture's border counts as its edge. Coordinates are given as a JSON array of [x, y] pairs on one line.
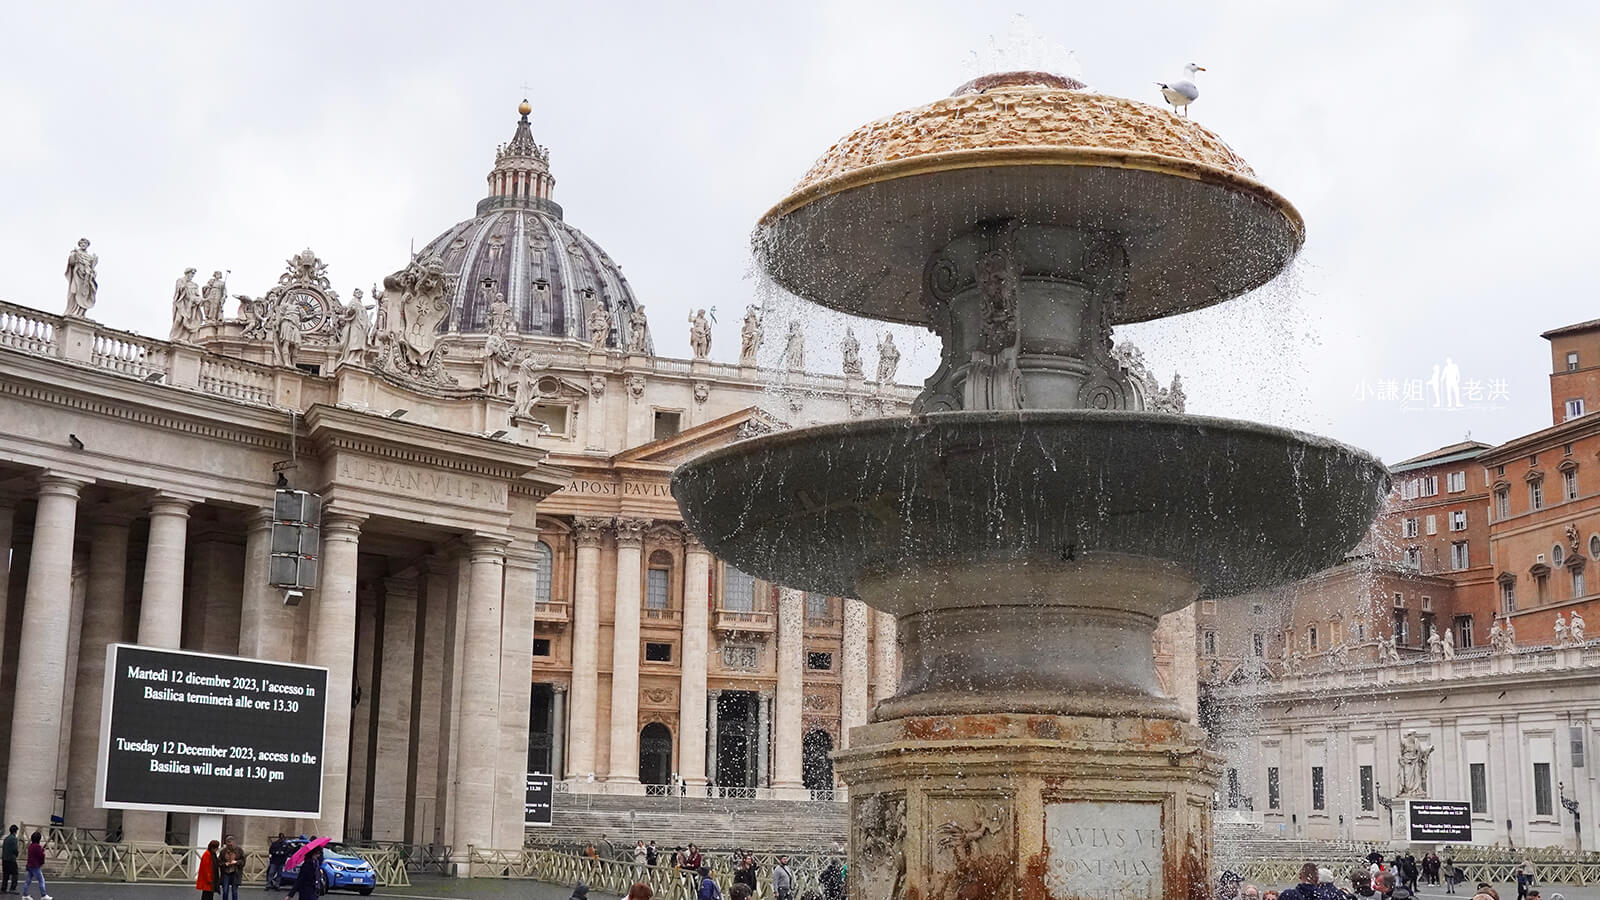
[[858, 231], [1235, 505]]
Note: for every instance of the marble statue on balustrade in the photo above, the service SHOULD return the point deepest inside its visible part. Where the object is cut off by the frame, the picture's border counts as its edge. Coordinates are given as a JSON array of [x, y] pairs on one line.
[[794, 349], [1435, 646], [82, 282], [700, 335], [1575, 628], [498, 360], [1561, 630], [188, 314], [638, 329], [599, 327], [1289, 659], [499, 318], [851, 352], [749, 336], [283, 328], [213, 296], [355, 331], [256, 312], [1496, 637], [1448, 644], [526, 394], [1413, 766], [1388, 649], [888, 359]]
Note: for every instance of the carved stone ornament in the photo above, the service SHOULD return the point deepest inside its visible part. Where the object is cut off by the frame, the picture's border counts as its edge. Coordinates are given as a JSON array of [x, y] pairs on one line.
[[702, 391], [597, 386], [636, 386], [969, 851], [590, 530], [630, 532], [662, 696], [879, 823], [414, 303]]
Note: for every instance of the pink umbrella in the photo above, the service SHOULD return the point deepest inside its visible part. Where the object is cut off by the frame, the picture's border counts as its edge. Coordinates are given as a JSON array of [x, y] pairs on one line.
[[299, 855]]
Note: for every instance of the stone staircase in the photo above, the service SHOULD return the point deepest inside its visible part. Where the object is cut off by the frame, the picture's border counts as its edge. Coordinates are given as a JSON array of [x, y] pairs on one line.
[[799, 826]]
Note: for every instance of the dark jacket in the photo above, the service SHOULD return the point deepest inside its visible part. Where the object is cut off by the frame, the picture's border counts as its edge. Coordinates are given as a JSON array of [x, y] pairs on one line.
[[1299, 892], [35, 856], [305, 878], [745, 876], [10, 848]]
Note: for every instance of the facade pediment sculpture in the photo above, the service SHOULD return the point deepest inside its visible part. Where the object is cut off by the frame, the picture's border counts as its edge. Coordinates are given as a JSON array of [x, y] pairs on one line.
[[1413, 766], [852, 353], [188, 310], [355, 331], [638, 330], [750, 336], [82, 282], [700, 335], [415, 303], [888, 359], [214, 296]]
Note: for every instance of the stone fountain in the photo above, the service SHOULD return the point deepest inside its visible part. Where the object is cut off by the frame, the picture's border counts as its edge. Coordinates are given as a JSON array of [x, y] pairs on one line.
[[1029, 522]]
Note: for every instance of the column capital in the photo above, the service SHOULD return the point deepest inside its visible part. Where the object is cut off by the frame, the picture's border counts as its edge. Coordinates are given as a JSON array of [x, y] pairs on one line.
[[692, 543], [766, 695], [714, 695], [482, 546], [62, 485], [342, 525], [590, 530], [165, 504], [630, 531], [558, 687], [258, 519]]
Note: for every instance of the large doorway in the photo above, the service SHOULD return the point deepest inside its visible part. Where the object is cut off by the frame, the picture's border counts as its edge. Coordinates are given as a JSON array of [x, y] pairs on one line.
[[736, 739], [655, 754], [816, 766], [541, 755]]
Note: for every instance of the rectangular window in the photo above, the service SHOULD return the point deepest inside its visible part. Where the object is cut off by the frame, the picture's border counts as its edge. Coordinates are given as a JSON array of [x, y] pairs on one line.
[[1402, 628], [667, 423], [1578, 587], [819, 662], [1408, 528], [1575, 408], [656, 595], [1569, 484], [816, 605], [1414, 558], [1508, 596], [1274, 796], [1572, 360], [654, 652], [1458, 520], [541, 646], [1536, 494], [1361, 632], [1318, 797], [1502, 505], [1543, 803], [1430, 486], [1311, 637], [1399, 600], [1459, 556], [738, 590], [1367, 789], [1427, 604], [1463, 632], [1433, 524], [1575, 734], [1457, 482], [1479, 774], [1258, 644], [1541, 589], [1211, 643]]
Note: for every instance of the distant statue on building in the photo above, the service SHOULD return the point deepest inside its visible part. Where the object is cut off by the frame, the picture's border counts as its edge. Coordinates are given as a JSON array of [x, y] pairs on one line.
[[527, 390], [1496, 637], [794, 351], [750, 336], [1288, 658], [1575, 628], [187, 312], [355, 330], [700, 335], [82, 283], [638, 329], [1435, 646], [599, 327], [1448, 645], [1413, 766], [852, 353], [284, 328], [499, 317], [1388, 649], [888, 359], [214, 295], [1561, 630], [255, 312], [1511, 636], [498, 358]]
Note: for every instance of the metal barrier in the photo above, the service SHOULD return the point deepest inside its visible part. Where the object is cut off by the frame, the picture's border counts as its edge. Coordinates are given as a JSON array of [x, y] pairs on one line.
[[616, 876], [71, 853], [1476, 865]]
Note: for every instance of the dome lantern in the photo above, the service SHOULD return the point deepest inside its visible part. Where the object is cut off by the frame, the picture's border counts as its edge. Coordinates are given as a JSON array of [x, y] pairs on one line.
[[521, 175]]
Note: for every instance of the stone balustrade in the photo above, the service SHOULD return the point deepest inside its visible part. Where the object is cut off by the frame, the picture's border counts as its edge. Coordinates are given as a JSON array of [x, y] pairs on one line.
[[1469, 664], [28, 330]]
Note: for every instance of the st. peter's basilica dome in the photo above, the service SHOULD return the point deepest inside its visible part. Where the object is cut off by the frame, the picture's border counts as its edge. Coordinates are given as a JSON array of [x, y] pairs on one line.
[[551, 274]]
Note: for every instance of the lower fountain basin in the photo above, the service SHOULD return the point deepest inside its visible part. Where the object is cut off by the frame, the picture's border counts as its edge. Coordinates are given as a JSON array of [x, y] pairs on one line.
[[1232, 506]]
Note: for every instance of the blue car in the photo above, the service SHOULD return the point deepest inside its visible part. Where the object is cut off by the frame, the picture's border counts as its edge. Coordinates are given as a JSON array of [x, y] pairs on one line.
[[341, 870]]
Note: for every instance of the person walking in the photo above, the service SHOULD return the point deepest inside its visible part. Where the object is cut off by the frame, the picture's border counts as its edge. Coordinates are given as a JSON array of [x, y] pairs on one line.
[[231, 865], [277, 855], [1525, 872], [9, 851], [36, 867], [745, 873], [783, 879], [651, 855], [205, 879], [708, 887], [305, 877]]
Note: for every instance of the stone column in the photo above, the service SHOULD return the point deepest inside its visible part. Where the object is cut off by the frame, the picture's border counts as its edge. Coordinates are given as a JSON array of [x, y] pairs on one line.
[[585, 647], [333, 638], [853, 669], [13, 563], [266, 625], [763, 743], [516, 695], [711, 735], [786, 757], [363, 700], [696, 632], [160, 619], [391, 765], [69, 686], [624, 766], [427, 699], [42, 655], [479, 718], [102, 625], [558, 730], [886, 656]]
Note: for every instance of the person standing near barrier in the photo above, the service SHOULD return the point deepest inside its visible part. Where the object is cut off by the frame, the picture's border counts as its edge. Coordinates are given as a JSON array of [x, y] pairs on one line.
[[231, 865], [708, 886], [36, 867], [277, 853], [8, 858], [205, 878], [783, 879]]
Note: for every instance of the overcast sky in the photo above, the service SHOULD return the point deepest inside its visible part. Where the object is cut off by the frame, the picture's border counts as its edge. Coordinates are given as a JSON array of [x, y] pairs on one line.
[[1441, 154]]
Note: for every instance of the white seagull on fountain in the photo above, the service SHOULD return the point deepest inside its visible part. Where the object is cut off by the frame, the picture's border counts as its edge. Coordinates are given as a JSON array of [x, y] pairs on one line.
[[1182, 92]]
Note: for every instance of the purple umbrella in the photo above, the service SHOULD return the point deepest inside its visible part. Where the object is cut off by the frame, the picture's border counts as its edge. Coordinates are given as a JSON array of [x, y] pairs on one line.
[[299, 855]]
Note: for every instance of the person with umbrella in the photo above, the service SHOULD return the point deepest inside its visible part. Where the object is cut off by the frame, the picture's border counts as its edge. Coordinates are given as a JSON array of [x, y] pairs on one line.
[[308, 857]]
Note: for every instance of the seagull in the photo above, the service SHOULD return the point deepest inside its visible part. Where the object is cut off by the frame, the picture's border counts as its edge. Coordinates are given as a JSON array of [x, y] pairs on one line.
[[1182, 92]]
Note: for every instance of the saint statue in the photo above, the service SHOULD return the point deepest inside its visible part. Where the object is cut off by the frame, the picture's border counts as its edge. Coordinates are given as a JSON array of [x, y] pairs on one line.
[[82, 283], [499, 318], [1575, 628], [794, 352], [497, 362], [1435, 646], [283, 326], [1511, 636], [355, 330], [888, 359], [187, 312], [1449, 644], [638, 330], [1413, 766], [599, 328], [215, 294], [1561, 630], [1496, 637], [852, 353], [700, 335], [750, 336], [527, 385]]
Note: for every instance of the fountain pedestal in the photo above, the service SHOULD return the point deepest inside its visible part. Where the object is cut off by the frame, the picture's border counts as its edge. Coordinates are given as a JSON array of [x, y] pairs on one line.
[[1030, 806]]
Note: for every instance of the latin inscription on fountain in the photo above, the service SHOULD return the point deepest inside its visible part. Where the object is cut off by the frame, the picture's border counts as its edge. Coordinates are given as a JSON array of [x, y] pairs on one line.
[[1103, 851]]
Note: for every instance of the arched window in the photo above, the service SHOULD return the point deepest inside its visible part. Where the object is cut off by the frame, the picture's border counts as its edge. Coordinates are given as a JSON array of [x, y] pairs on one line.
[[658, 581], [655, 754], [542, 559], [738, 590]]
